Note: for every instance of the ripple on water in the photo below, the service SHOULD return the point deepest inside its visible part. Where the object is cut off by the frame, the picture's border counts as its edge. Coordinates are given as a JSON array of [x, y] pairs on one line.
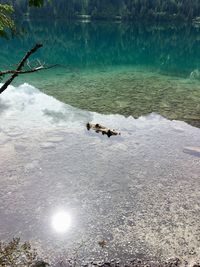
[[15, 133], [47, 145], [55, 139]]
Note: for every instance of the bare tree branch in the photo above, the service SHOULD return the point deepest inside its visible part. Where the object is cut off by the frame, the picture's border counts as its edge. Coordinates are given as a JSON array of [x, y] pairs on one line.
[[26, 71], [19, 70]]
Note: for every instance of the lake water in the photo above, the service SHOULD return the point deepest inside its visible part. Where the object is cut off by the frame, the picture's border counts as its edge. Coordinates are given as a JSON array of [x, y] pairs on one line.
[[65, 188], [115, 68]]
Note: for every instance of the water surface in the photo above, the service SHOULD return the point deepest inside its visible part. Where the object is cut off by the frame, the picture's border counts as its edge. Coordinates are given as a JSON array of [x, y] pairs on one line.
[[128, 69], [64, 188], [138, 191]]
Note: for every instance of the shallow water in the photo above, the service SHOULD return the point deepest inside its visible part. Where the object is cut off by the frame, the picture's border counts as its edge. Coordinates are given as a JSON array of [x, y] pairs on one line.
[[139, 191], [127, 69], [65, 188]]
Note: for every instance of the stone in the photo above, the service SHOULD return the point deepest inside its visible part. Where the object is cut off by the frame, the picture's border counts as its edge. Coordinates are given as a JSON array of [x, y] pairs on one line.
[[194, 151]]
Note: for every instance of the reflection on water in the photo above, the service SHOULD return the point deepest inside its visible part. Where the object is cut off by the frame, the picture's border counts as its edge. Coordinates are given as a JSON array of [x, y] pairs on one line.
[[136, 191], [139, 191], [116, 68], [173, 49], [61, 221]]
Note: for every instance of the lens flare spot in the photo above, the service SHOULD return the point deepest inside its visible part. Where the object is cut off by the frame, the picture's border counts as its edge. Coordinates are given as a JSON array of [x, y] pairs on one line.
[[61, 221]]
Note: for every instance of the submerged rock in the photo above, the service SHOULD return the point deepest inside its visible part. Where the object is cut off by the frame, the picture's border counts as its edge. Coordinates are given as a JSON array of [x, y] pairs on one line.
[[195, 74], [194, 151], [196, 264], [40, 264]]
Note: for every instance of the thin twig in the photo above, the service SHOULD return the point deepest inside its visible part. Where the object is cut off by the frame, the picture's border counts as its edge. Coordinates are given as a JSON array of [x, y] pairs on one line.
[[26, 71]]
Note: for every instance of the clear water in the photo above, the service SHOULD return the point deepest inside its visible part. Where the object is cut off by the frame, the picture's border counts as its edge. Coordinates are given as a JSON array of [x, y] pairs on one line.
[[127, 69], [138, 191], [64, 188]]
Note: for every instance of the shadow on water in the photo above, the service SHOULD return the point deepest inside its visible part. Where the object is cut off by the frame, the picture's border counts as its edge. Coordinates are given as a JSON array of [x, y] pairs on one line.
[[131, 69]]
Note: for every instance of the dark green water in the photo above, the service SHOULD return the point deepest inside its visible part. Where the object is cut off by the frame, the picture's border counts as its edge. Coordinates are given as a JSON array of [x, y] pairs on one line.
[[128, 69]]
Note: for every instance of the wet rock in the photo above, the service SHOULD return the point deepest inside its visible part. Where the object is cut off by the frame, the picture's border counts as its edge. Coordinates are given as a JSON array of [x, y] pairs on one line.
[[40, 264], [107, 264], [63, 264], [192, 251], [195, 74], [173, 262]]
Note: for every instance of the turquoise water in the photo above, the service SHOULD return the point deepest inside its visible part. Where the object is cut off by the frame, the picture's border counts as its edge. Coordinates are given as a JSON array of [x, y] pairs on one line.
[[130, 69], [138, 191]]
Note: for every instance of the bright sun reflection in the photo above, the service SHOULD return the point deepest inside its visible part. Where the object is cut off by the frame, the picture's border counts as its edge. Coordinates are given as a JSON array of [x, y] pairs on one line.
[[61, 221]]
